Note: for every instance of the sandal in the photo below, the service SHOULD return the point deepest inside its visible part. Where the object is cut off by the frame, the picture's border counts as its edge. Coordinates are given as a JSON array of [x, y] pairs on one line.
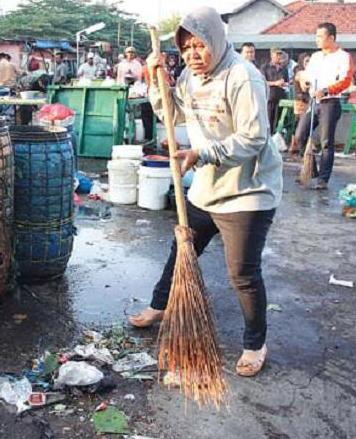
[[251, 362], [146, 318]]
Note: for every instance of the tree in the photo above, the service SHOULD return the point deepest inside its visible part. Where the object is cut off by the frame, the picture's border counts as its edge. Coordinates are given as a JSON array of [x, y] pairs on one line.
[[57, 19], [169, 24]]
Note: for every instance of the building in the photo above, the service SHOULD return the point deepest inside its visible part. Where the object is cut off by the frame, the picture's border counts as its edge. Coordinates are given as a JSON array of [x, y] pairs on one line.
[[294, 29]]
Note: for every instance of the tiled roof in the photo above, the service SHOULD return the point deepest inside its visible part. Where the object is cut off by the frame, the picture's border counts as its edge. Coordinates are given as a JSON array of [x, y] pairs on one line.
[[306, 16], [294, 6]]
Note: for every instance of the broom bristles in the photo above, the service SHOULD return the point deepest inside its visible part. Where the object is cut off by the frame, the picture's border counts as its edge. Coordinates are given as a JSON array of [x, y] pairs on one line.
[[187, 337], [306, 172]]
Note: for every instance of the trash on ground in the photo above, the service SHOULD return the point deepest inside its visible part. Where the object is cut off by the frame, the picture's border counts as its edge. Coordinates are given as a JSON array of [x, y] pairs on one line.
[[78, 374], [91, 352], [129, 397], [50, 364], [143, 222], [16, 392], [110, 420], [347, 197], [37, 399], [138, 437], [82, 183], [102, 406], [137, 376], [274, 307], [341, 283], [93, 335], [19, 318], [96, 192], [171, 379], [134, 362]]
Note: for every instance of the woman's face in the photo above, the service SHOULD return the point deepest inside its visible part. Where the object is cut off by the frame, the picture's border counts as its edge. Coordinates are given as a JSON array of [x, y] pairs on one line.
[[195, 54], [306, 61]]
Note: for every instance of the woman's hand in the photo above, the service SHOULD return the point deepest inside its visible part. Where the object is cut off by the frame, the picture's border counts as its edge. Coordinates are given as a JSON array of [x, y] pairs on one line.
[[188, 157], [153, 61]]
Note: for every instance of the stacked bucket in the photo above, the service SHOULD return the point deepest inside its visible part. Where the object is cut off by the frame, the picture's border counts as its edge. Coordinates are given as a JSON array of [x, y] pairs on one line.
[[134, 178]]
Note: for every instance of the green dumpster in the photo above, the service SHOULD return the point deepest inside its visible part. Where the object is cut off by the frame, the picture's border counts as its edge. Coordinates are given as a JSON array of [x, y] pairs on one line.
[[100, 116]]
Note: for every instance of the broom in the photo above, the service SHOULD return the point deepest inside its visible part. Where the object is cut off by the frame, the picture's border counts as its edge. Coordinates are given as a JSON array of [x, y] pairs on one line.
[[187, 338], [309, 168]]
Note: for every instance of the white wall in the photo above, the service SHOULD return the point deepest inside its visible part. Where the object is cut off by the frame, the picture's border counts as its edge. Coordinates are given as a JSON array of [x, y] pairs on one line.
[[254, 19]]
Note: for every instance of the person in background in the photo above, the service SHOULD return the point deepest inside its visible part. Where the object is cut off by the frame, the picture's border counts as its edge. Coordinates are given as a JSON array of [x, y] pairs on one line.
[[327, 75], [33, 64], [173, 70], [8, 71], [248, 52], [277, 78], [301, 97], [129, 70], [60, 70], [238, 180], [88, 70]]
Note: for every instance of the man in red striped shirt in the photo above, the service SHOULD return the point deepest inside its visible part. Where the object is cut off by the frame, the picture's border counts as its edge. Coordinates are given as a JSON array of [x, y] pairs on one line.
[[328, 74]]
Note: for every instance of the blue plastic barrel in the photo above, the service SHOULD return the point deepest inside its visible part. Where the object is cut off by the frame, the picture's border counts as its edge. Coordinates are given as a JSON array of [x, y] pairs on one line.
[[43, 201], [6, 205]]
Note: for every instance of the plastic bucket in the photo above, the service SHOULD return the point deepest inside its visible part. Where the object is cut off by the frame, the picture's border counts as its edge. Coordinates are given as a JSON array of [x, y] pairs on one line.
[[153, 187], [123, 181], [180, 132], [139, 131], [156, 161], [131, 152]]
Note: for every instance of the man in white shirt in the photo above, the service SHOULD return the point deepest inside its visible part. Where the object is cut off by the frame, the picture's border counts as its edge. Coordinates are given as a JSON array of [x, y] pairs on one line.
[[130, 69], [88, 70], [327, 75]]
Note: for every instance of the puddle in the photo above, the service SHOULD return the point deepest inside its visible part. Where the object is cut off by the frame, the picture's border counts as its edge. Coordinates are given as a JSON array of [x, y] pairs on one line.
[[107, 278]]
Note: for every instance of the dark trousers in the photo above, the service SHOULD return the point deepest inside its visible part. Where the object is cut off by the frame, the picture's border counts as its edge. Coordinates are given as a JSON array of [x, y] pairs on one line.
[[272, 108], [147, 120], [327, 114], [244, 235]]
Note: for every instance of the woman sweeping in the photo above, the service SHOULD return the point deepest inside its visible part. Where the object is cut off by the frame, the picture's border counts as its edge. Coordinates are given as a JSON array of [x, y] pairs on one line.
[[238, 181]]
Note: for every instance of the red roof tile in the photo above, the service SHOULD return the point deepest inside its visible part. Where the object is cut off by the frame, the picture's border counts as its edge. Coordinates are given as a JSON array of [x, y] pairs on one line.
[[294, 6], [306, 18]]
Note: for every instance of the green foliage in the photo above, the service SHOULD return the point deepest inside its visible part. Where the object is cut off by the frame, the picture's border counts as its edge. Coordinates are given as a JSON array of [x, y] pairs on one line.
[[169, 24], [57, 19]]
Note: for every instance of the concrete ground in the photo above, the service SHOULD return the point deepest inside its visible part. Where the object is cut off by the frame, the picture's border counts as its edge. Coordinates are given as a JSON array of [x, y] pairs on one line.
[[308, 387]]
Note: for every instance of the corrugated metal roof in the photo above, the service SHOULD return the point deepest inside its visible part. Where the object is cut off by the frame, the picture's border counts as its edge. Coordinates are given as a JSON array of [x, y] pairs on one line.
[[289, 41]]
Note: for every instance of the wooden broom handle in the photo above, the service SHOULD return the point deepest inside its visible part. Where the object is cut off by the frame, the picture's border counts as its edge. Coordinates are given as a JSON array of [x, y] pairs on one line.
[[167, 105]]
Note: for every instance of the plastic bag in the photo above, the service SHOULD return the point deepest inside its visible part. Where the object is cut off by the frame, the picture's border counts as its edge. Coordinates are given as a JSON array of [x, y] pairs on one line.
[[91, 352], [280, 142], [53, 112], [347, 196], [80, 373], [16, 392]]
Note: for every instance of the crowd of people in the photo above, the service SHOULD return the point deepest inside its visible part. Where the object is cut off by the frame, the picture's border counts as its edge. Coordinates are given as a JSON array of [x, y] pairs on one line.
[[316, 80]]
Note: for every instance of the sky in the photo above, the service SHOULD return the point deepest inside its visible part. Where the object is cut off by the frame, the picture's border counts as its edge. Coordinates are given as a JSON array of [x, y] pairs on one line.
[[151, 10]]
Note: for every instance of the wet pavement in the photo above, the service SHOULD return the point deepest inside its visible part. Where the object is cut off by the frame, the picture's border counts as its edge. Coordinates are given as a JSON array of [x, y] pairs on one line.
[[308, 387]]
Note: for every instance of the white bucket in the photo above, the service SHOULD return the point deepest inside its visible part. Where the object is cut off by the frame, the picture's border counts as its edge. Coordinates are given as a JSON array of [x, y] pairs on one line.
[[132, 152], [123, 181], [153, 187], [180, 132], [139, 131]]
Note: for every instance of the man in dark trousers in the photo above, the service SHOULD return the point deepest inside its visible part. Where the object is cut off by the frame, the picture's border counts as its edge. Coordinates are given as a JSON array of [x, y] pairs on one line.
[[277, 78], [327, 75]]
